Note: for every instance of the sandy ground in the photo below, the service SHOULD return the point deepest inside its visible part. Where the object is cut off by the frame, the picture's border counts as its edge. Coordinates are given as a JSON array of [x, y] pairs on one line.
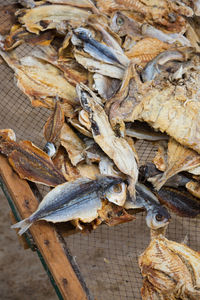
[[22, 276]]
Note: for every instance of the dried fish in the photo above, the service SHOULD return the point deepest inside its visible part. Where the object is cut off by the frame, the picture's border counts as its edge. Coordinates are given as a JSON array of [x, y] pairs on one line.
[[72, 71], [73, 144], [170, 108], [7, 16], [179, 158], [179, 201], [77, 200], [171, 268], [54, 124], [44, 17], [169, 38], [116, 148], [106, 86], [19, 35], [152, 68], [124, 25], [159, 12], [157, 215], [41, 82], [146, 49], [29, 161], [113, 215], [143, 131]]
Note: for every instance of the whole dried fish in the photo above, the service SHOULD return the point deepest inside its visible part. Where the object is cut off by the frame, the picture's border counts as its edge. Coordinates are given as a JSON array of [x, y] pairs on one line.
[[116, 148], [77, 200]]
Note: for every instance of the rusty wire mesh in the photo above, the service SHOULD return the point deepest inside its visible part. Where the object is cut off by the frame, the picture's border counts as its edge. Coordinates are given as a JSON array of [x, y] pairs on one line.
[[107, 257]]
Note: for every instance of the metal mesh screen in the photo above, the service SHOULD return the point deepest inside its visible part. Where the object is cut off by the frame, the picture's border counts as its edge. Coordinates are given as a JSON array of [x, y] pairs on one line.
[[108, 256]]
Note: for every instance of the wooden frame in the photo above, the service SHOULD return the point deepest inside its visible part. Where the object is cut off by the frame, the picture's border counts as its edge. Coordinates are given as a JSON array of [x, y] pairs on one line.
[[48, 241]]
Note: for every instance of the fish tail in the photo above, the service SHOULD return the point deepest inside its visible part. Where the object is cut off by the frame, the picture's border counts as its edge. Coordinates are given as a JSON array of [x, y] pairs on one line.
[[23, 225]]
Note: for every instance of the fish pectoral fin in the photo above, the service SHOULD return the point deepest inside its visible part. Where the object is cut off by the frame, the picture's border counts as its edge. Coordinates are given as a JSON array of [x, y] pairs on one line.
[[23, 225]]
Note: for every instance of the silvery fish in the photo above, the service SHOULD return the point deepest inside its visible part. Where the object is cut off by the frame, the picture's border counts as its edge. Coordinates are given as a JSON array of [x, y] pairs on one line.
[[157, 215], [77, 200], [95, 48]]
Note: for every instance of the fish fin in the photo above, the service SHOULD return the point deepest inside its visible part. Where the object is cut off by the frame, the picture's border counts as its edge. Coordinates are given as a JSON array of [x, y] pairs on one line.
[[23, 225]]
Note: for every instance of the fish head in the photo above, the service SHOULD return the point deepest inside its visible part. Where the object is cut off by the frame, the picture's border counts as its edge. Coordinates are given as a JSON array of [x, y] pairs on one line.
[[106, 182], [83, 34], [157, 217]]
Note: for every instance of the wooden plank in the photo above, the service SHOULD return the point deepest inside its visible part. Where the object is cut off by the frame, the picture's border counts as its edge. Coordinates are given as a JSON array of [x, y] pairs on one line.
[[44, 235]]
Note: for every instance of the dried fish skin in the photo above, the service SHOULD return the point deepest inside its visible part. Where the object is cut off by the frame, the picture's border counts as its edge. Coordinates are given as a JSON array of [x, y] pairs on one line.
[[179, 158], [54, 124], [73, 144], [33, 164], [46, 17], [77, 200], [116, 148], [37, 80]]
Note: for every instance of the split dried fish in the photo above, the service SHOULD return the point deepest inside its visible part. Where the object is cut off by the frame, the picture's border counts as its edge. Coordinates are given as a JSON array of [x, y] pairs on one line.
[[172, 269], [44, 17], [37, 80], [30, 162], [77, 200], [116, 148]]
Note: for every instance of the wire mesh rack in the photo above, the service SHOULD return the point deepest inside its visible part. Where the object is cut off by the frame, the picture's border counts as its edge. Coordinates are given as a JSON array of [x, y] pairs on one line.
[[108, 256]]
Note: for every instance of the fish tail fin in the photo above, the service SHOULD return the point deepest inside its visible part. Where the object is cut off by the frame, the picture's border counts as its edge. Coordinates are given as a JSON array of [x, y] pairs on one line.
[[23, 225]]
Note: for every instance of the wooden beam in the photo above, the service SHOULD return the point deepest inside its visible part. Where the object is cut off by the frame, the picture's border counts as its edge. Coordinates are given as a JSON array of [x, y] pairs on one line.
[[44, 235]]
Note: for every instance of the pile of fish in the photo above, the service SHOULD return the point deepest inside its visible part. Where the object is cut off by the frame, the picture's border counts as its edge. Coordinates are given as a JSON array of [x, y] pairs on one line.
[[110, 72]]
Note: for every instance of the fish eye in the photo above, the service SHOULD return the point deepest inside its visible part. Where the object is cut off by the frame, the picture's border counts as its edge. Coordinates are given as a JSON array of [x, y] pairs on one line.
[[159, 217], [120, 21]]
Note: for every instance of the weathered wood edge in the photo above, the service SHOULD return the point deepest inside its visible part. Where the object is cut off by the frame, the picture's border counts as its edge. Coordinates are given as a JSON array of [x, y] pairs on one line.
[[44, 235]]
